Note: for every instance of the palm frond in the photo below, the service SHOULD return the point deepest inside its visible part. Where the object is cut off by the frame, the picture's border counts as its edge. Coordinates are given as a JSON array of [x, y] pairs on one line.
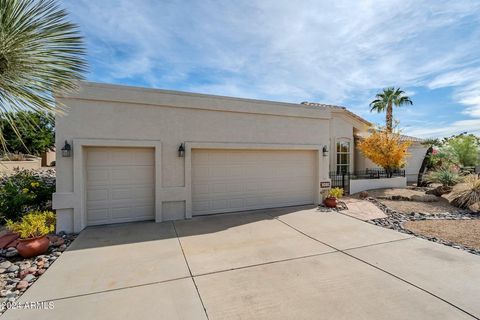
[[41, 52], [392, 95]]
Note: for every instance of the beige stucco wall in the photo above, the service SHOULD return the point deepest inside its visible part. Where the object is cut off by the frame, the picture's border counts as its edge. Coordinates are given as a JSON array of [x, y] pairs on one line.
[[165, 119], [414, 161], [342, 128], [370, 184]]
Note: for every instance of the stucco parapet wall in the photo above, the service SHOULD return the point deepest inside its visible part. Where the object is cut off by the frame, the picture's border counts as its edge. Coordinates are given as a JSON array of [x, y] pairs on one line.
[[177, 99]]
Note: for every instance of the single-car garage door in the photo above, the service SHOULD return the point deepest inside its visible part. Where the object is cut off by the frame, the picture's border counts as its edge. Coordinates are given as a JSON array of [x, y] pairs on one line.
[[237, 180], [120, 185]]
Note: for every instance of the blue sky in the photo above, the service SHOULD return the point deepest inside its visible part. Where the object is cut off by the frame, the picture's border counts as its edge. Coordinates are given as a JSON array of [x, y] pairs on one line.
[[337, 52]]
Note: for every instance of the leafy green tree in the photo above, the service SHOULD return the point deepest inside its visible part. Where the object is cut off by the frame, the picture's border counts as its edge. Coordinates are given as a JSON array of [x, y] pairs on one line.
[[36, 132], [465, 147], [41, 52], [385, 100]]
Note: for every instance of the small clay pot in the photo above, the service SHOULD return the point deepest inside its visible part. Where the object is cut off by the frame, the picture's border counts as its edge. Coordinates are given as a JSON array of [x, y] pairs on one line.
[[32, 247], [331, 202]]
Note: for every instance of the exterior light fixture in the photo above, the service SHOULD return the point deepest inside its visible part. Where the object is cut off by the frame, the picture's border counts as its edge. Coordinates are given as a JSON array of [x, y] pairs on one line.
[[67, 150], [325, 151], [181, 151]]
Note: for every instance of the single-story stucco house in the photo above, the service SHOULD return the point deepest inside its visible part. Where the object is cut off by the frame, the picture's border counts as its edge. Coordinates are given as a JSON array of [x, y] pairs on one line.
[[148, 154]]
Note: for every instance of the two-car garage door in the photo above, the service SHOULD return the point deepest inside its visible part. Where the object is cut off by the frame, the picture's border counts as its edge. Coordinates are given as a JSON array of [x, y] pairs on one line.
[[236, 180], [120, 182]]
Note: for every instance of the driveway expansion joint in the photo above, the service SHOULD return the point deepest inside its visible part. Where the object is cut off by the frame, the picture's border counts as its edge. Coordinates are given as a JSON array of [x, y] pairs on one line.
[[189, 270], [378, 243], [374, 266], [116, 289], [264, 263]]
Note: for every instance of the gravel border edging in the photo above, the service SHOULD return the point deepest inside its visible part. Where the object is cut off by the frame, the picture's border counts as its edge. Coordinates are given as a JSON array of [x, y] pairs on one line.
[[17, 274], [395, 221]]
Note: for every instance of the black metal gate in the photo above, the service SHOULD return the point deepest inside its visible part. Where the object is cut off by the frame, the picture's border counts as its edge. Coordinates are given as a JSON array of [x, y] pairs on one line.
[[340, 180]]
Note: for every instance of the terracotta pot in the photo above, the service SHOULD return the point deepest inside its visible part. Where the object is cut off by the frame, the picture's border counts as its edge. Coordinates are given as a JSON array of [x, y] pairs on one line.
[[331, 202], [32, 247]]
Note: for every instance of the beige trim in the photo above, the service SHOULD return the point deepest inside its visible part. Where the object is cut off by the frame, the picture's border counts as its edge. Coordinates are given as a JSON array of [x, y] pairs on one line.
[[77, 198], [79, 203], [351, 152]]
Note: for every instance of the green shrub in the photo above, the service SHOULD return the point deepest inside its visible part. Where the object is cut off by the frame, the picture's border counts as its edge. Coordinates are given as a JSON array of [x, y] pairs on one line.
[[335, 192], [444, 176], [24, 191], [33, 224], [36, 132], [469, 193]]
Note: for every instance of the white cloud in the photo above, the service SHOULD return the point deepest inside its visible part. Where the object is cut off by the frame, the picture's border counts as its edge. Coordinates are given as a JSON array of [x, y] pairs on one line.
[[446, 129], [334, 52], [466, 83], [454, 78]]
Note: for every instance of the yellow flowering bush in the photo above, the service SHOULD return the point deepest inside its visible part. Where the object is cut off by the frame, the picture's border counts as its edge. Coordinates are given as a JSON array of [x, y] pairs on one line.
[[33, 224], [335, 192], [385, 149]]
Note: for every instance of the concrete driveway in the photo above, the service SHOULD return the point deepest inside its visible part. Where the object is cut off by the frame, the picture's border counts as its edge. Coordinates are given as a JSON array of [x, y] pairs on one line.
[[270, 264]]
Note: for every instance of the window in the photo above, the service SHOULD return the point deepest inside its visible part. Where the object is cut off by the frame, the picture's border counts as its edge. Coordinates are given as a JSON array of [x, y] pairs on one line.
[[343, 156]]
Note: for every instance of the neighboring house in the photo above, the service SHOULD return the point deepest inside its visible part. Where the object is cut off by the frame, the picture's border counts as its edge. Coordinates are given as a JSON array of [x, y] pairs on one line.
[[148, 154]]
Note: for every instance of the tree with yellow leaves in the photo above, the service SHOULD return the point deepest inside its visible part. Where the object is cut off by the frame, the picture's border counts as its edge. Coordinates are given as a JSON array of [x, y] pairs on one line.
[[385, 149]]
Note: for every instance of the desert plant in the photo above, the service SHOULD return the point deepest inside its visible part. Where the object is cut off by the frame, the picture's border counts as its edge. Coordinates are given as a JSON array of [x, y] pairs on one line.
[[442, 158], [25, 190], [465, 148], [41, 53], [445, 176], [335, 193], [385, 100], [33, 224], [386, 149], [468, 195]]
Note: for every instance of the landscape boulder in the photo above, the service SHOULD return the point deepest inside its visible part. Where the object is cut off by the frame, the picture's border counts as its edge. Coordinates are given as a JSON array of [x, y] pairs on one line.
[[424, 198], [475, 207], [439, 191]]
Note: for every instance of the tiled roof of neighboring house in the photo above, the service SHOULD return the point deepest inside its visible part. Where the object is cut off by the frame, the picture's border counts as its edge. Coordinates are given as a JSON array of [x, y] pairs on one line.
[[410, 138], [338, 108], [403, 137]]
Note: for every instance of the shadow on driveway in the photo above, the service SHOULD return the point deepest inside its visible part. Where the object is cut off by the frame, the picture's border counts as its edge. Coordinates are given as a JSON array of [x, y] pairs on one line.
[[135, 232]]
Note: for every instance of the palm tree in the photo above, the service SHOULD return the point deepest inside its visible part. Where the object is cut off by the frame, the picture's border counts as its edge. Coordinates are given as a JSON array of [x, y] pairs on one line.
[[41, 52], [385, 100]]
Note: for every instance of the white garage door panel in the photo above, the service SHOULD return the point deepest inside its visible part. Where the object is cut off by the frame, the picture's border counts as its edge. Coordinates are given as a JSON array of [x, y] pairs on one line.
[[120, 185], [236, 180]]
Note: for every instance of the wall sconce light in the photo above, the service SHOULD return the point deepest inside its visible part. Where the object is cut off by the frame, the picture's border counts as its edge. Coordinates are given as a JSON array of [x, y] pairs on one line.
[[181, 151], [67, 150], [325, 151]]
